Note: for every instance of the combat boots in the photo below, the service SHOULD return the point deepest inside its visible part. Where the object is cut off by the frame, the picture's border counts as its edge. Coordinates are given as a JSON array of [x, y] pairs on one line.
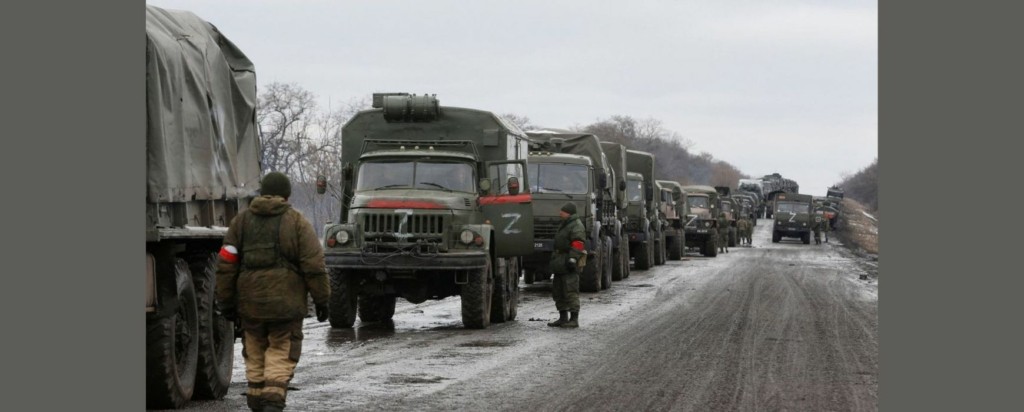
[[574, 321], [563, 318]]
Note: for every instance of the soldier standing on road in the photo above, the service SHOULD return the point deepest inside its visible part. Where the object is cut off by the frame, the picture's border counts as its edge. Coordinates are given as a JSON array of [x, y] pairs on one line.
[[723, 233], [743, 227], [565, 262], [816, 226], [827, 225], [270, 260]]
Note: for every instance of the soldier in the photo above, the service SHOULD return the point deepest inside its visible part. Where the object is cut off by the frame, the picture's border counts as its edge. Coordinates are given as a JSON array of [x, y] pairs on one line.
[[743, 228], [270, 260], [723, 233], [827, 224], [566, 261], [816, 226]]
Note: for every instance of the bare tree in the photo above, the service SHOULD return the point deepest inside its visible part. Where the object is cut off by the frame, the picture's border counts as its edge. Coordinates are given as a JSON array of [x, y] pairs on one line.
[[520, 121]]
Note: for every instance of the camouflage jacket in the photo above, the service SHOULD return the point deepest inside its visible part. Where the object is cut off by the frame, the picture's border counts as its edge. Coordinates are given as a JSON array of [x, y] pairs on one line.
[[276, 292], [570, 230]]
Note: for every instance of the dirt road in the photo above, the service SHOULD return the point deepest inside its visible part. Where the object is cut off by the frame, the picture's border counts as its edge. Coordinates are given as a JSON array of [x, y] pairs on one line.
[[782, 326]]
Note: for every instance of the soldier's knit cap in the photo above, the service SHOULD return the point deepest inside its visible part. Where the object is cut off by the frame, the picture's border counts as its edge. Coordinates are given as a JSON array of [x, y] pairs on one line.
[[569, 207], [276, 184]]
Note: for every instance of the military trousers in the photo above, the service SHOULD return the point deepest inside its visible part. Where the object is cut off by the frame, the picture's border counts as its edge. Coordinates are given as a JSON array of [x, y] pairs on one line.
[[565, 290], [271, 351]]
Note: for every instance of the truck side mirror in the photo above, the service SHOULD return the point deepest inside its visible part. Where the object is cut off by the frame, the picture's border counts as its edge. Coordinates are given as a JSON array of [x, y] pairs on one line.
[[622, 185], [321, 184], [602, 181], [513, 185], [485, 185]]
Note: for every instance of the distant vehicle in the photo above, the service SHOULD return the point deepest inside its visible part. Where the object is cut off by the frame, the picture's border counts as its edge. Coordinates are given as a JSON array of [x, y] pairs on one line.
[[673, 210], [616, 154], [646, 239], [792, 217], [701, 229]]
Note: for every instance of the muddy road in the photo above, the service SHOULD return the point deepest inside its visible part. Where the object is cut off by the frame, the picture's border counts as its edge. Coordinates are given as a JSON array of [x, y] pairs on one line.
[[782, 326]]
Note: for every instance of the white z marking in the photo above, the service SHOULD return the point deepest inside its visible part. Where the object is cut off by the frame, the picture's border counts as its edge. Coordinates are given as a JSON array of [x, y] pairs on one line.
[[509, 230]]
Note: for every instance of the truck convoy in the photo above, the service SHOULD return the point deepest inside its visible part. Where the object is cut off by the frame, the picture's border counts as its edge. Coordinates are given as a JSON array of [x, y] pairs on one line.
[[202, 168], [437, 204], [644, 228], [730, 208], [673, 210], [571, 167], [701, 229], [774, 184], [792, 217]]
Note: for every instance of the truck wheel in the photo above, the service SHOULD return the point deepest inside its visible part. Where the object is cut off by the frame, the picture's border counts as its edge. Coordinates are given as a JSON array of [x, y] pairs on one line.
[[806, 237], [619, 255], [376, 308], [712, 247], [675, 250], [625, 259], [216, 334], [662, 251], [528, 277], [776, 236], [513, 307], [606, 265], [342, 302], [172, 345], [500, 296], [643, 255], [476, 298], [590, 279]]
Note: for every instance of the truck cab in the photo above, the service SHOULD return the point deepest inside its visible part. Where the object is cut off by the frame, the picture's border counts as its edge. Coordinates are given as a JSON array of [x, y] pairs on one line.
[[791, 215]]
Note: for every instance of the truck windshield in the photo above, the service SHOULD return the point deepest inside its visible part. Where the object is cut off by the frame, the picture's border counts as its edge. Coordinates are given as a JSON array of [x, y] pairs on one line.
[[793, 207], [374, 175], [558, 178], [697, 201], [635, 190]]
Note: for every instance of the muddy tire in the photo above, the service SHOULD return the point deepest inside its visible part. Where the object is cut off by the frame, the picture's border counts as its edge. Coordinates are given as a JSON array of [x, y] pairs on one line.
[[620, 270], [476, 298], [590, 279], [806, 237], [501, 295], [776, 236], [675, 248], [376, 308], [644, 255], [712, 248], [609, 264], [342, 302], [528, 277], [216, 334], [172, 344]]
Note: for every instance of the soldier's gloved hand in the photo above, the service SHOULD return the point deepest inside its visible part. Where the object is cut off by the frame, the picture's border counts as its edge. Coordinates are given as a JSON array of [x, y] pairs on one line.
[[570, 264], [322, 313]]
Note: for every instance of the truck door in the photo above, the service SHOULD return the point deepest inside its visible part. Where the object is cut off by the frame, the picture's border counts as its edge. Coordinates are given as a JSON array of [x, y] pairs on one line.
[[508, 206]]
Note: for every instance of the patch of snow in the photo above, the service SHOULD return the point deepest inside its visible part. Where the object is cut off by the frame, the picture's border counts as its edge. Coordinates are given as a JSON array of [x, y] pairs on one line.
[[869, 216]]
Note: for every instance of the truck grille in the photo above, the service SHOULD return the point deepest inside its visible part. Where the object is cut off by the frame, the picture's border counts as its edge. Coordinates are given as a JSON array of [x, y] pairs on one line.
[[545, 228], [389, 223]]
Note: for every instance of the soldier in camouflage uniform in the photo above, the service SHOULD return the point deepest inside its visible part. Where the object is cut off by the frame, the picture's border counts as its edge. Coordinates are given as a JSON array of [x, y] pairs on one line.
[[565, 263], [270, 260], [723, 233], [743, 228], [816, 225]]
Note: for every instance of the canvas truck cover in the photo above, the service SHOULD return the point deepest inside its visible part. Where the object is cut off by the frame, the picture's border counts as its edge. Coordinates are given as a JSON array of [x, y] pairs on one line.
[[583, 144], [201, 134]]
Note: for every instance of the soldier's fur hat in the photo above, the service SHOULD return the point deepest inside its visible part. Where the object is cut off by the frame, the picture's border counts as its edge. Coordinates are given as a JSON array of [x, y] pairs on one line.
[[276, 184]]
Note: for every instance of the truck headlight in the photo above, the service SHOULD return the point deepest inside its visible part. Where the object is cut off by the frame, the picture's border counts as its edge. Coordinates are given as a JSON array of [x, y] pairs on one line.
[[707, 224], [342, 237], [466, 237]]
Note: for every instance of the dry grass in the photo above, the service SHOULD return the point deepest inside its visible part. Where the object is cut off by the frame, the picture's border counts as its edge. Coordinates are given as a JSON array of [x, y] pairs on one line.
[[857, 229]]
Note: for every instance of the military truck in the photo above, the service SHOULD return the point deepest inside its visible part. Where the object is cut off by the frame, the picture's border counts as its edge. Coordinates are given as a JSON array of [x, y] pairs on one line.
[[571, 167], [437, 204], [646, 238], [701, 228], [728, 206], [754, 189], [674, 210], [774, 184], [616, 154], [202, 169], [792, 217]]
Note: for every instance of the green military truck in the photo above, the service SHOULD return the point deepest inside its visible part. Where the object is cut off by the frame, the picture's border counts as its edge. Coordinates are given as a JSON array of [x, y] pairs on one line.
[[571, 167], [792, 216], [644, 229], [755, 189], [436, 205], [674, 210], [701, 228], [202, 169], [616, 154]]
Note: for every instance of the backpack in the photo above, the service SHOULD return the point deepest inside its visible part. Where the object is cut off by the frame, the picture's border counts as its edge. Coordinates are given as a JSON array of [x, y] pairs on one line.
[[260, 243]]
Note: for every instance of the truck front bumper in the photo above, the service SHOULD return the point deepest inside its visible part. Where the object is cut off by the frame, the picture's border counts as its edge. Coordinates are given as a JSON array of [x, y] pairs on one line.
[[405, 260]]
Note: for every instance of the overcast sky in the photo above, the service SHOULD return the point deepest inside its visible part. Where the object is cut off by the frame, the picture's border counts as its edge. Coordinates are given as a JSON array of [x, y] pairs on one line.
[[769, 86]]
